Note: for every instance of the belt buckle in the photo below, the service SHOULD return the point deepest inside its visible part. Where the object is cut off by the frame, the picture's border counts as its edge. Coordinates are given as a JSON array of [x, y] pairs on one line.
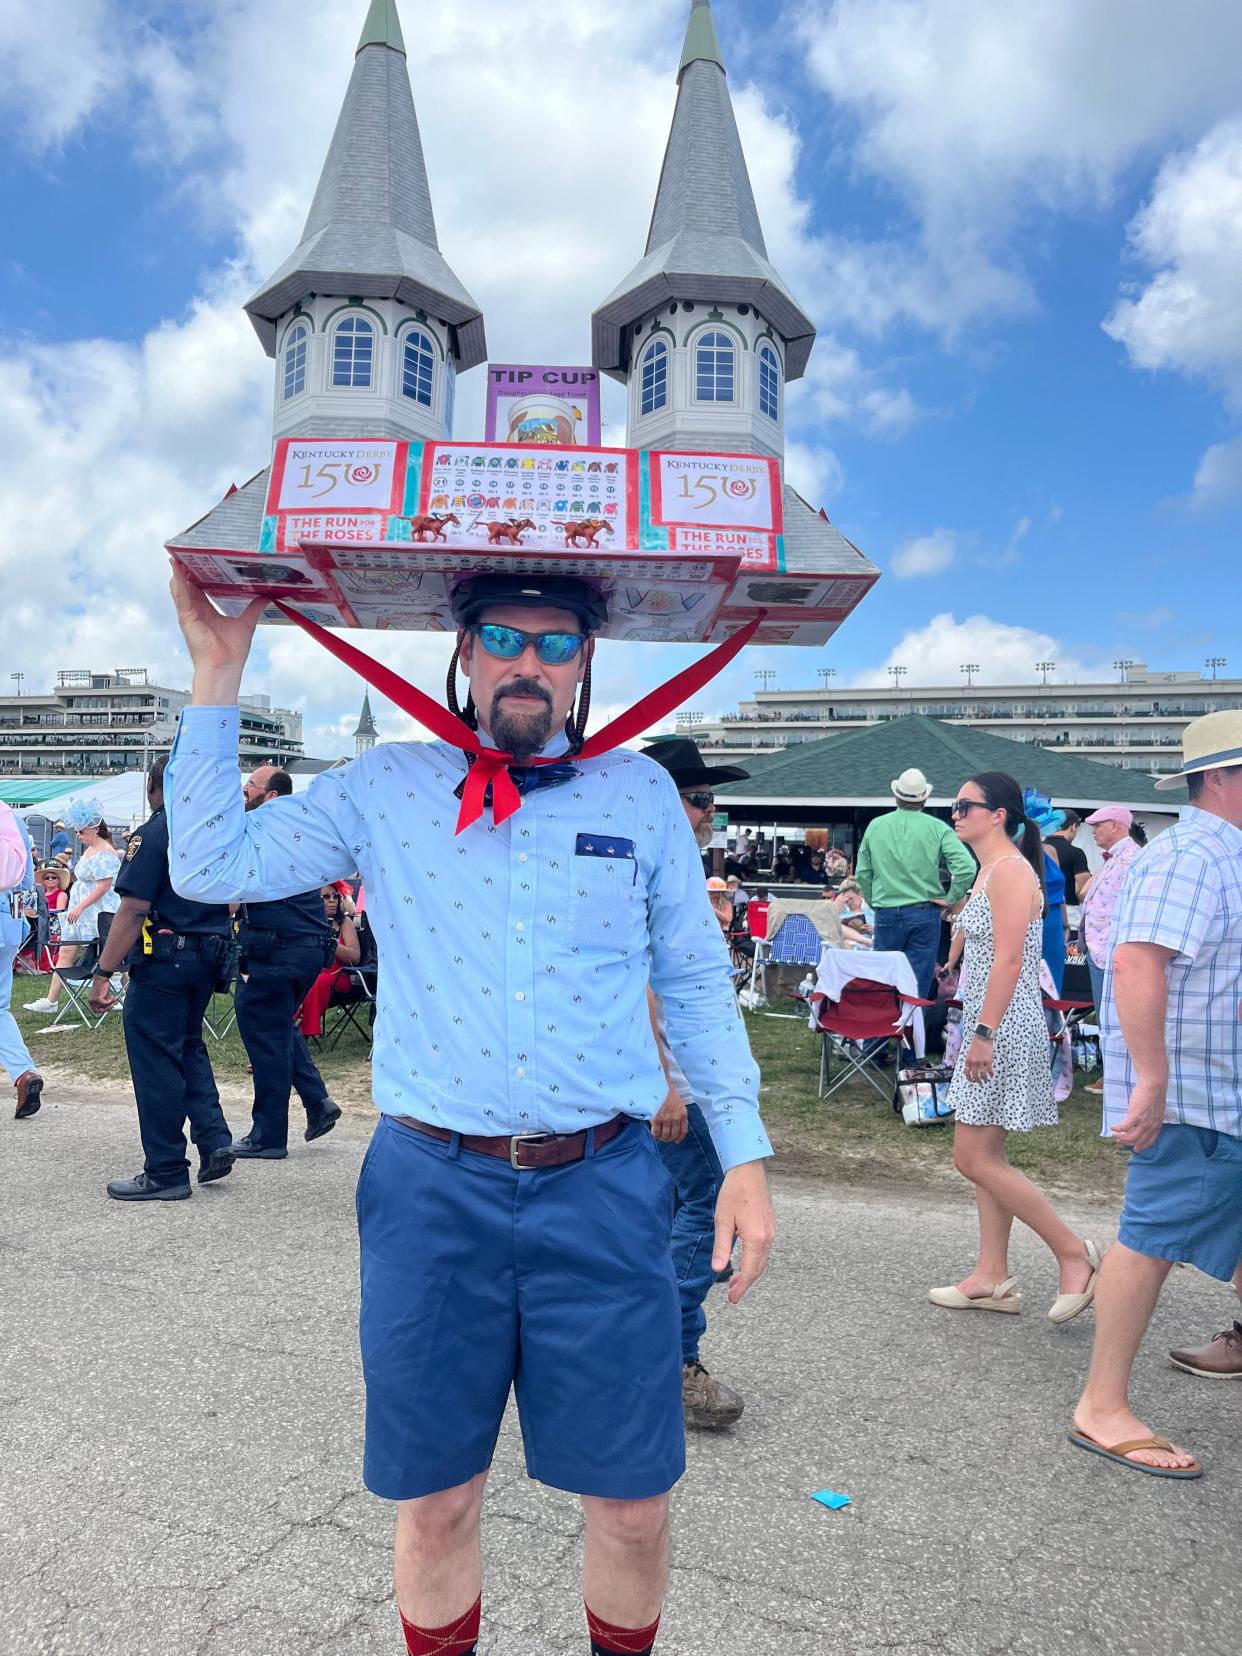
[[524, 1138]]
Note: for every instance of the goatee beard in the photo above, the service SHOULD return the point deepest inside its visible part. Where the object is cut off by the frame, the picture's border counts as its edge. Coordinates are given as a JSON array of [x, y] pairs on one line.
[[703, 834], [521, 734]]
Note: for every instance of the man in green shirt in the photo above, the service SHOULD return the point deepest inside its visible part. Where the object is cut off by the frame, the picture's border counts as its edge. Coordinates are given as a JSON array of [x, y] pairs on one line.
[[899, 872]]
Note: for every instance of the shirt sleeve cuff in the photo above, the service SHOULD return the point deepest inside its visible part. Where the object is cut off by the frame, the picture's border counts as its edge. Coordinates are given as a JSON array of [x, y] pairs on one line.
[[740, 1139], [210, 731]]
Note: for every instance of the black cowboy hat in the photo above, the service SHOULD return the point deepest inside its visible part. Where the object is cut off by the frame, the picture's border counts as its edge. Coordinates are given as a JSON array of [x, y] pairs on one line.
[[535, 591], [684, 763]]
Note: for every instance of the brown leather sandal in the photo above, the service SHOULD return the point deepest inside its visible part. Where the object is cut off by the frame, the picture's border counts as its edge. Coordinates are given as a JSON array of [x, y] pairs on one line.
[[1120, 1453]]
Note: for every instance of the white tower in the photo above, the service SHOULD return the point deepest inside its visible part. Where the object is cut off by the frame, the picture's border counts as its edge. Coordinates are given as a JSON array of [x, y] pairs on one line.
[[703, 331], [368, 324]]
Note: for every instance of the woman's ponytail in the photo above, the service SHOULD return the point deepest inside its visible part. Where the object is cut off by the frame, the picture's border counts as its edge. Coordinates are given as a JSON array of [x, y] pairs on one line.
[[1031, 845]]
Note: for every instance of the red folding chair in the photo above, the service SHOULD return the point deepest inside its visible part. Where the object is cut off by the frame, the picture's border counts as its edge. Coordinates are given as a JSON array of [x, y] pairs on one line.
[[871, 1015]]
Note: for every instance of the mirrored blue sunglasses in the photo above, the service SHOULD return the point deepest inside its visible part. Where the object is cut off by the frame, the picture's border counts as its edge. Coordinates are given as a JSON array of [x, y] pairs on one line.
[[554, 649]]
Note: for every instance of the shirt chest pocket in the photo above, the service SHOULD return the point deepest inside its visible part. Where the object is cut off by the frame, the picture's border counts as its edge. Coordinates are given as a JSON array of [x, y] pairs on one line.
[[605, 901]]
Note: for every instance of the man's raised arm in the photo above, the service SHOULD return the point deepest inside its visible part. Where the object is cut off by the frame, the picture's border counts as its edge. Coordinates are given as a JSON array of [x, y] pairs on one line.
[[218, 852]]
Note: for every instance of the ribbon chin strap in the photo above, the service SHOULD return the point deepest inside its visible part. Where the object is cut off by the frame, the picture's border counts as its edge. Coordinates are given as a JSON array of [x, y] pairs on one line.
[[491, 767]]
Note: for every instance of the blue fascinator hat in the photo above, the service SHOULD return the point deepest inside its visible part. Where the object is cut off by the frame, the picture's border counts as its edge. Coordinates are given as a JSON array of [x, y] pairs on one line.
[[1040, 811], [83, 813]]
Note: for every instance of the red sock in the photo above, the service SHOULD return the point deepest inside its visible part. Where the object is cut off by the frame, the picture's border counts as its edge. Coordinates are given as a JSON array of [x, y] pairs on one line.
[[607, 1640], [459, 1638]]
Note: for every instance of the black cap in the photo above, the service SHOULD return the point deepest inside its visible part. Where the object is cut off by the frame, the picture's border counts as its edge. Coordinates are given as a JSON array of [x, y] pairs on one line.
[[684, 763], [536, 591]]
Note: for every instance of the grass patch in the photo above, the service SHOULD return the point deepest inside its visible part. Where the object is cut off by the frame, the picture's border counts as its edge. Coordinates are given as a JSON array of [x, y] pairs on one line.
[[854, 1136]]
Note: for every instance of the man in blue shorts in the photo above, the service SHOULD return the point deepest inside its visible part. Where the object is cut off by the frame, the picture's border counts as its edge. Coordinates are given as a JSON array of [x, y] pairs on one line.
[[513, 1211], [1173, 1083]]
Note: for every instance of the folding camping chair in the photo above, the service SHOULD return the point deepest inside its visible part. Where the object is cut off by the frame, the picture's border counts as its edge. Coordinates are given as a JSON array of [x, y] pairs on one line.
[[349, 1005], [221, 1013], [859, 1027], [795, 943], [76, 980]]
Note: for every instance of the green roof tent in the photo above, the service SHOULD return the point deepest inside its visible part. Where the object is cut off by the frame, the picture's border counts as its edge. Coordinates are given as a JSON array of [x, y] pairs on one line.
[[850, 774]]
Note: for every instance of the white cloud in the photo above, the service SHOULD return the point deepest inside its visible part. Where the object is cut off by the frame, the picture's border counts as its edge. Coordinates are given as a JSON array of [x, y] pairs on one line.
[[925, 555], [1189, 233], [985, 119], [1005, 654], [1220, 473], [1006, 556], [815, 472]]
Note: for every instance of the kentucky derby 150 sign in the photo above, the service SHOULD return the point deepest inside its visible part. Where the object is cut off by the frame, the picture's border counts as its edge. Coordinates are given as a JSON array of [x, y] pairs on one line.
[[376, 533]]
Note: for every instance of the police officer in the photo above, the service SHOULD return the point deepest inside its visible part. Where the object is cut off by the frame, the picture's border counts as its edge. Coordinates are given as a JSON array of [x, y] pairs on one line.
[[285, 945], [176, 951]]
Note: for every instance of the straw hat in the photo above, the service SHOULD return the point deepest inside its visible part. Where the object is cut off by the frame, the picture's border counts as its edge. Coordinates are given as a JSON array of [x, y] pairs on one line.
[[1213, 742], [912, 787]]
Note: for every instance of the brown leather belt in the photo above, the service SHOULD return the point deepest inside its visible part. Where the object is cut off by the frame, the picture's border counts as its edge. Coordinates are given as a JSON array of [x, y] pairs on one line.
[[527, 1152]]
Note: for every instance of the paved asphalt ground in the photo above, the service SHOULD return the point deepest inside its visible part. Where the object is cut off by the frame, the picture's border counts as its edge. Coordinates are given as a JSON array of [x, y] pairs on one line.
[[180, 1440]]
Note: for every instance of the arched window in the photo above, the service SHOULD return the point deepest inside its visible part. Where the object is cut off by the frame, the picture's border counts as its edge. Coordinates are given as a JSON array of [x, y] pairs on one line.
[[295, 360], [418, 368], [654, 378], [353, 353], [769, 383], [714, 361]]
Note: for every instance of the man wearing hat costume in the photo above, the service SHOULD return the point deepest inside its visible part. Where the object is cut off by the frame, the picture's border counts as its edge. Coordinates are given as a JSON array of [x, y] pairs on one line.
[[899, 872], [1172, 1040], [681, 1129], [514, 1213]]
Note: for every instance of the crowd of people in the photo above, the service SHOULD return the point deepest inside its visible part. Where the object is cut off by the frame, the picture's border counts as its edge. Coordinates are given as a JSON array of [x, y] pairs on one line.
[[984, 904]]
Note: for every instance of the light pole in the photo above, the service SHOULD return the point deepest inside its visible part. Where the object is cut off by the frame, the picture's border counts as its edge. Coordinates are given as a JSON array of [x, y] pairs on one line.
[[1045, 667], [1212, 661], [691, 719], [1123, 667], [765, 675], [20, 676], [826, 673], [897, 674], [970, 668]]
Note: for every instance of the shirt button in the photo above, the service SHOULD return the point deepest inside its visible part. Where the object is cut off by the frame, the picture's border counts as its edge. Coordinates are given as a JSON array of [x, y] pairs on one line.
[[519, 996], [520, 1073], [521, 925], [521, 856]]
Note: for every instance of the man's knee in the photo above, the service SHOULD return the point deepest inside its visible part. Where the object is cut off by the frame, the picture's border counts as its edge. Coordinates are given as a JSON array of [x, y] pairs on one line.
[[639, 1527], [443, 1521]]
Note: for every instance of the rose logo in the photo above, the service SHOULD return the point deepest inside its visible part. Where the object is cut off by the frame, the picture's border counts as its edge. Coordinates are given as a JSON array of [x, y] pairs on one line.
[[360, 476], [741, 488]]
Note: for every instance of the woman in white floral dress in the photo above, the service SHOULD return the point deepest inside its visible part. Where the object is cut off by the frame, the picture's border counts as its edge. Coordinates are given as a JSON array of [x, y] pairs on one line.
[[91, 895], [1003, 1080]]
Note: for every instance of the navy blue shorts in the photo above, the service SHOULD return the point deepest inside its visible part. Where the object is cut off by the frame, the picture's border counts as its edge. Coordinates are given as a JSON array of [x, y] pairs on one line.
[[1184, 1200], [559, 1283]]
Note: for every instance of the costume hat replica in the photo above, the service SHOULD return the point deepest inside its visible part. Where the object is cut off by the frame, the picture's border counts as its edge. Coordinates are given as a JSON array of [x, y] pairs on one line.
[[524, 1125], [1213, 742]]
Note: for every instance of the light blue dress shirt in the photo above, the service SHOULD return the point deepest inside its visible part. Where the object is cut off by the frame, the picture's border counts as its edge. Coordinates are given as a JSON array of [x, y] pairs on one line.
[[513, 960]]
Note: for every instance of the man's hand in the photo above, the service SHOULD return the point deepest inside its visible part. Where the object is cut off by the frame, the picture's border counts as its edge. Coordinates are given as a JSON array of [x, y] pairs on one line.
[[218, 644], [744, 1211], [671, 1122], [101, 997], [1145, 1116]]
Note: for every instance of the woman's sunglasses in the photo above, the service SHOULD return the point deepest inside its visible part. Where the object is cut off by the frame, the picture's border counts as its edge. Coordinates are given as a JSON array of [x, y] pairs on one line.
[[963, 807], [554, 649]]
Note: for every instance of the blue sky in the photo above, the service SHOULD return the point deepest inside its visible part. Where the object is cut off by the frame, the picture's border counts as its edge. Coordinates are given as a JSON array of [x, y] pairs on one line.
[[1019, 235]]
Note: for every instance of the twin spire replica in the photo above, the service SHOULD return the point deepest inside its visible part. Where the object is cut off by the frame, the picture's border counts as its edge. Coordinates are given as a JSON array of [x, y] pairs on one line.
[[371, 514]]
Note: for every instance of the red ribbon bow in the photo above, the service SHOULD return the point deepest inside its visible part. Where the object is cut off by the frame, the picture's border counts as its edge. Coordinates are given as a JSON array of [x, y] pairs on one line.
[[491, 767]]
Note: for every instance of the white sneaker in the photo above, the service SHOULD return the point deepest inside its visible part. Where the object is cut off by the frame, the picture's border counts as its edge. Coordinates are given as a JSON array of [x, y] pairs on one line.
[[41, 1005]]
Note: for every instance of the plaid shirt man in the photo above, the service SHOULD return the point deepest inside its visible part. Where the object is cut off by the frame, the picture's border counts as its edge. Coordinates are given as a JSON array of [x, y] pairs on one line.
[[1185, 893]]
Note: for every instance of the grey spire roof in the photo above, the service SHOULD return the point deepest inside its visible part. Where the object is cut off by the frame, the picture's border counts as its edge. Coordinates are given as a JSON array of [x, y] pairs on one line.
[[705, 241], [366, 723], [371, 233]]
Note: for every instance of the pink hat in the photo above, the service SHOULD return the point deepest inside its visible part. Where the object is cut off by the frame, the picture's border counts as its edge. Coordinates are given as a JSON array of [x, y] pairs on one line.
[[717, 884], [1112, 813]]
